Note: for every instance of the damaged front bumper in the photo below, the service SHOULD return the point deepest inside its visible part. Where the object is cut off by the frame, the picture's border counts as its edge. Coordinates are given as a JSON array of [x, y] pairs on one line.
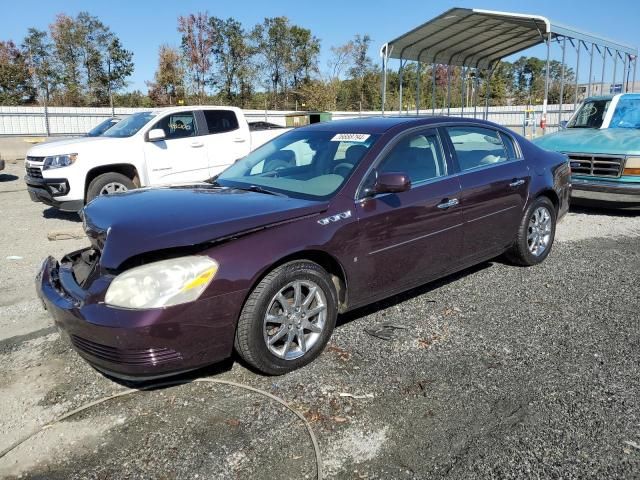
[[134, 344]]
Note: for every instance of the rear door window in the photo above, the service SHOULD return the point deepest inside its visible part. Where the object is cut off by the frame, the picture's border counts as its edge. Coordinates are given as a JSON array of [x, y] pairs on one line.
[[220, 121], [477, 147], [177, 125]]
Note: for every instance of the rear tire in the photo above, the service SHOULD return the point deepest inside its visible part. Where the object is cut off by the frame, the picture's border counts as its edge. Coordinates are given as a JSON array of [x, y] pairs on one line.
[[288, 318], [536, 234], [108, 183]]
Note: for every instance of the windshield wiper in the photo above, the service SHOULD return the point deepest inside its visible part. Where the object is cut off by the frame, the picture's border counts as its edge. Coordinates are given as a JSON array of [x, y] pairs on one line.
[[259, 189]]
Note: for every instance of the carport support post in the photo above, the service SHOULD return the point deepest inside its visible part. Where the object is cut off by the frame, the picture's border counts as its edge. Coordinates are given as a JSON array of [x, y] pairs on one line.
[[564, 49], [433, 88], [615, 68], [400, 71], [476, 85], [604, 63], [418, 76], [487, 96], [462, 74], [625, 75], [633, 82], [385, 59], [546, 82], [590, 70], [575, 88], [448, 90]]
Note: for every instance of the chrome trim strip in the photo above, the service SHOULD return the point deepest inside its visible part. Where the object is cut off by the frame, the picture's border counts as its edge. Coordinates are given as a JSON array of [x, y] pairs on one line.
[[414, 239], [492, 213]]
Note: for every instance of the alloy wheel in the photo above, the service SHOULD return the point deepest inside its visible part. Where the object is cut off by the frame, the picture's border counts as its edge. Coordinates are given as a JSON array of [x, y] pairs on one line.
[[113, 187], [295, 319], [539, 231]]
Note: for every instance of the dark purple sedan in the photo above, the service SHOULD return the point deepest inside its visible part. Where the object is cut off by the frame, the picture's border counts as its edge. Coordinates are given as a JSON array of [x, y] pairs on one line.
[[324, 219]]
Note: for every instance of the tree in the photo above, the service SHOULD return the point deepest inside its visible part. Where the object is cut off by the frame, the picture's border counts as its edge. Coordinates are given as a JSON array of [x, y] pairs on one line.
[[198, 40], [119, 66], [169, 77], [272, 41], [233, 54], [66, 40], [41, 61], [304, 52], [15, 85]]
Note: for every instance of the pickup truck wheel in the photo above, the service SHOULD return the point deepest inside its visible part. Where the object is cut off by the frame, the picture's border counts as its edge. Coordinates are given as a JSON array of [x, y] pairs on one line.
[[287, 319], [107, 184], [535, 235]]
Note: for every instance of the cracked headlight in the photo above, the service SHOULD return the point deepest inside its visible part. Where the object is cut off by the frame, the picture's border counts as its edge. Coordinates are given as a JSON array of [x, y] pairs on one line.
[[162, 284], [59, 161]]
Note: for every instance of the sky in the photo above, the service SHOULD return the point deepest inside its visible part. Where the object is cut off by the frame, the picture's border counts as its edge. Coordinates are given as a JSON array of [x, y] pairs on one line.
[[144, 25]]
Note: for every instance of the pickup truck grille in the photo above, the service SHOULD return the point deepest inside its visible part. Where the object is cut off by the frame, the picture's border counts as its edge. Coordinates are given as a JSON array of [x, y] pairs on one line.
[[597, 165], [35, 159], [34, 172]]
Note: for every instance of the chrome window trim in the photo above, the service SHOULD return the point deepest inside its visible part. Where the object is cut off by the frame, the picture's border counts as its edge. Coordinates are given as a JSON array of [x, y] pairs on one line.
[[390, 145]]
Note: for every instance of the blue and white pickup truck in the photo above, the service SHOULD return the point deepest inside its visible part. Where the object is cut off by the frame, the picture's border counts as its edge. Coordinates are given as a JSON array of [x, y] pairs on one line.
[[602, 141]]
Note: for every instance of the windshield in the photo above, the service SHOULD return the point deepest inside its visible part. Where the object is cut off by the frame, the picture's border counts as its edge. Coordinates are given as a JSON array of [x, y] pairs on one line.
[[627, 113], [130, 125], [102, 127], [301, 164], [590, 114]]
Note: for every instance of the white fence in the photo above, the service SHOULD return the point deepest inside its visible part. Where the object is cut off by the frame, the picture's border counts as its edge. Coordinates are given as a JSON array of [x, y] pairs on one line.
[[31, 121]]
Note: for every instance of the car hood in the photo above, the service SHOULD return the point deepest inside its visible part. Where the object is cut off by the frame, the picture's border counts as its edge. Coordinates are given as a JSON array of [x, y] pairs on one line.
[[140, 221], [72, 145], [614, 141]]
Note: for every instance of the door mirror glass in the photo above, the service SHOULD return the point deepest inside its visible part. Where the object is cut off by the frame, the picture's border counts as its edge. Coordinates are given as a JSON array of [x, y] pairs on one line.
[[390, 182], [156, 135]]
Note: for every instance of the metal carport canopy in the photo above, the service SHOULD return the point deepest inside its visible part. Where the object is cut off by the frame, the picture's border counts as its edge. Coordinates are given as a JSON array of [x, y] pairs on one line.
[[479, 38]]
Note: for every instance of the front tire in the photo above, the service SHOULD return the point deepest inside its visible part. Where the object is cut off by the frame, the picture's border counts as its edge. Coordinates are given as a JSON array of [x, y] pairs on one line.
[[288, 318], [109, 183], [536, 234]]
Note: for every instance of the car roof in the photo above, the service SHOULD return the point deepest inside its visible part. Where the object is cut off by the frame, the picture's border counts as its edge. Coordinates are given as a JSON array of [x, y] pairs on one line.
[[381, 124]]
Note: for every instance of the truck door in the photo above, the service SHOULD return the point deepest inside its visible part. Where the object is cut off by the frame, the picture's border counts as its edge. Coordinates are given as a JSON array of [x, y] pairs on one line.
[[227, 139], [180, 156]]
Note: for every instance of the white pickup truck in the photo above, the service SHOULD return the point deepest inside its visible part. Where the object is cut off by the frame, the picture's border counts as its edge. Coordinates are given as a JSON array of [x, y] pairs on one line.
[[174, 145]]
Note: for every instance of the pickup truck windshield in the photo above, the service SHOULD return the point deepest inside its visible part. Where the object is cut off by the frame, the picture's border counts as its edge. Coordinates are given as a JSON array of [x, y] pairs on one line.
[[130, 125], [590, 114], [302, 164], [627, 114]]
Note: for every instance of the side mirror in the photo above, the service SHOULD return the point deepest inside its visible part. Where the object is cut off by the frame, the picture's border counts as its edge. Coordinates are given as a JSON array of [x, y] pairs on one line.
[[391, 182], [156, 135], [563, 124]]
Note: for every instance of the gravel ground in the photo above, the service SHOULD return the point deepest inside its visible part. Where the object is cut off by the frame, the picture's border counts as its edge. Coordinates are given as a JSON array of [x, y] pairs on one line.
[[497, 372]]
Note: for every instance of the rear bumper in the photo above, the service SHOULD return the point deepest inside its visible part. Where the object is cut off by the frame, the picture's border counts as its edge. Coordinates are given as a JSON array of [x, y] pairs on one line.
[[626, 195], [42, 190], [137, 344]]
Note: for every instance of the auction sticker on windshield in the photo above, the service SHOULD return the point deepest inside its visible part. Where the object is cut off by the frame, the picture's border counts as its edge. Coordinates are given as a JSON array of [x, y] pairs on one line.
[[350, 137]]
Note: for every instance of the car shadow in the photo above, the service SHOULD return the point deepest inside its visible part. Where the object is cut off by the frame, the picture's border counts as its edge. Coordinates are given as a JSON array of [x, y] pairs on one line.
[[52, 212], [597, 209], [409, 294], [7, 177]]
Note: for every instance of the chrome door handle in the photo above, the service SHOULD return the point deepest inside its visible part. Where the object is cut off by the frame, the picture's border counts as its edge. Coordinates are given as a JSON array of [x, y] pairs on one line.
[[516, 183], [197, 144], [239, 140], [449, 203]]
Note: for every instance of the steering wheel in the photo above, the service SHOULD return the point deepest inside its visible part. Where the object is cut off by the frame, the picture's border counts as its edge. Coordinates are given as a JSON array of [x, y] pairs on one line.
[[343, 165]]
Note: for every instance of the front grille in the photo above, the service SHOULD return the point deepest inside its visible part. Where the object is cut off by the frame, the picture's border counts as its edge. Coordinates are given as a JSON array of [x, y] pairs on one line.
[[34, 172], [146, 357], [35, 159], [596, 165]]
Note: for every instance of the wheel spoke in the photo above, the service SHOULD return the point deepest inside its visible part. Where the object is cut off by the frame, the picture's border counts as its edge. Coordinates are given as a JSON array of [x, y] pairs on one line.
[[287, 343], [278, 335], [315, 311], [312, 327], [286, 306], [279, 319], [297, 294], [302, 342], [310, 297]]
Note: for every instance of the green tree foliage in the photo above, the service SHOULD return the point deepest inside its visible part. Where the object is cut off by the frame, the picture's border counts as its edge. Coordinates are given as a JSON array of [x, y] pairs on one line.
[[42, 63], [168, 84], [15, 84], [198, 40]]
